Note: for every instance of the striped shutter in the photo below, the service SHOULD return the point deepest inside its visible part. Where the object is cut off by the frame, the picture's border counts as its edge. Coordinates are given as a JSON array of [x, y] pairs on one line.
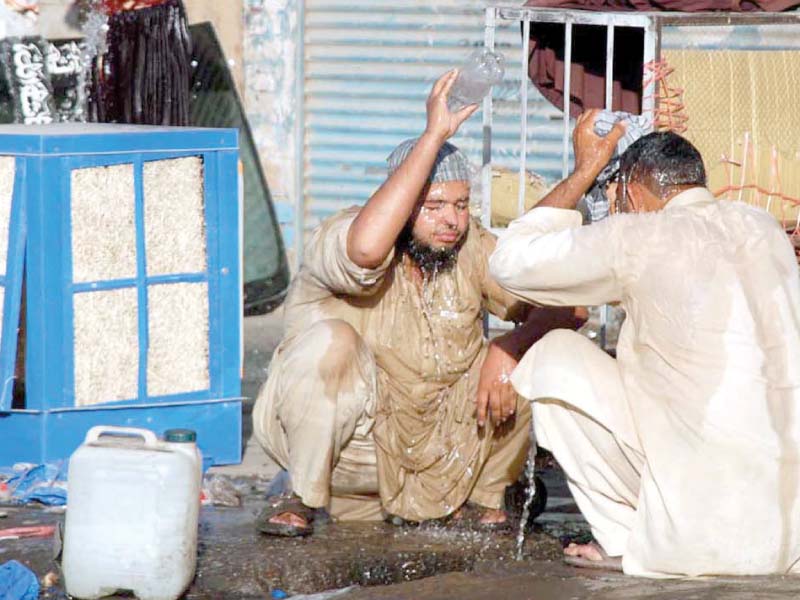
[[369, 66]]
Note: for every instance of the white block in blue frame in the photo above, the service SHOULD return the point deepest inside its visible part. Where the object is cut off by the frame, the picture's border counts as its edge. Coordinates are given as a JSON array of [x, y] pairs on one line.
[[110, 341]]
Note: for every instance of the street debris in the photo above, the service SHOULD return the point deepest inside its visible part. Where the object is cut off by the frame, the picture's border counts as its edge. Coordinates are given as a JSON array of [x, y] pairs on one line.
[[33, 531], [25, 483], [218, 490]]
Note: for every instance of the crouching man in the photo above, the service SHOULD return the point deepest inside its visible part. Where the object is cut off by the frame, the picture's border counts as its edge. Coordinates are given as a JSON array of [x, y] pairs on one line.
[[684, 453], [384, 397]]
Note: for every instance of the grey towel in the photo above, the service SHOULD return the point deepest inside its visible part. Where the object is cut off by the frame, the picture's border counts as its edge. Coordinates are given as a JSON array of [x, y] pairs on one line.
[[636, 126]]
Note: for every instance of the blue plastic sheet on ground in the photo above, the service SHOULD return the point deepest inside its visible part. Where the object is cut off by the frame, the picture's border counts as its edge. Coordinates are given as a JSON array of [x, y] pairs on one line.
[[17, 582], [35, 483]]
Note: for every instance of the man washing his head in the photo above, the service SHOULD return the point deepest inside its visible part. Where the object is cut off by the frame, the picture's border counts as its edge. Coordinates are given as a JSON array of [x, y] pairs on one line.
[[384, 398], [684, 453]]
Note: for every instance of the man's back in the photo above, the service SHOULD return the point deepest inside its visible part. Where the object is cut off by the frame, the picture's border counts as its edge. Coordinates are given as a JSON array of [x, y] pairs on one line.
[[708, 365], [712, 299], [710, 358]]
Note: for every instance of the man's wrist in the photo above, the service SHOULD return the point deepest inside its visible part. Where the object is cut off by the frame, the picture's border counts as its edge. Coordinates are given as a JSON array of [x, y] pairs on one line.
[[510, 343], [585, 175], [433, 137], [579, 182]]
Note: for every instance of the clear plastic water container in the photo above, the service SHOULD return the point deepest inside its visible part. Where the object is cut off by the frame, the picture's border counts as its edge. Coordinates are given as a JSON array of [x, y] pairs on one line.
[[132, 514], [483, 69]]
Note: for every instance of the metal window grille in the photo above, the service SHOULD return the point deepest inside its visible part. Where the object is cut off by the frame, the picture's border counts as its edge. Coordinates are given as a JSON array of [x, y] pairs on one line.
[[656, 26]]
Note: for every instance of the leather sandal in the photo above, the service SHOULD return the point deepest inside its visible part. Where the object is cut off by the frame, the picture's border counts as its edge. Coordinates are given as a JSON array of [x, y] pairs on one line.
[[278, 505]]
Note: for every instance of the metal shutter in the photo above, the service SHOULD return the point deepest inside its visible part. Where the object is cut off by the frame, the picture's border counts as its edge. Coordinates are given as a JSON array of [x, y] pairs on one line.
[[369, 66]]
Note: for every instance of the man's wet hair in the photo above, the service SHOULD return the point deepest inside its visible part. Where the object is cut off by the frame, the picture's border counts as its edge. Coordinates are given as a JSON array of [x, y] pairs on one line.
[[664, 162]]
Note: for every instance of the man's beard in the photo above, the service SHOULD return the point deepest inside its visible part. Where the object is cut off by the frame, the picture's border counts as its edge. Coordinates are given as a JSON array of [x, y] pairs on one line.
[[429, 259]]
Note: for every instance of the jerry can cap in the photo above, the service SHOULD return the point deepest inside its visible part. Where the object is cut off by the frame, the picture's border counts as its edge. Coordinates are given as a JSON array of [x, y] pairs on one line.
[[180, 436]]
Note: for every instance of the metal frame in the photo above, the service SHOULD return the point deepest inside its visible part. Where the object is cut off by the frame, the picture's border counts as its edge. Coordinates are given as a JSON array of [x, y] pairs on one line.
[[11, 281], [51, 426], [651, 22], [568, 18]]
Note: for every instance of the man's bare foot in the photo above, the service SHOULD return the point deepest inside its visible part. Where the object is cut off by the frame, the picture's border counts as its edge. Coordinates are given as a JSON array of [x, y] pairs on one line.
[[592, 553], [489, 517], [289, 518], [493, 516]]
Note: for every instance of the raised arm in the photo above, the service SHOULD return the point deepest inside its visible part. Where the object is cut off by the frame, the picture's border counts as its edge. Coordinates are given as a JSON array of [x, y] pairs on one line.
[[545, 256], [374, 231], [592, 154]]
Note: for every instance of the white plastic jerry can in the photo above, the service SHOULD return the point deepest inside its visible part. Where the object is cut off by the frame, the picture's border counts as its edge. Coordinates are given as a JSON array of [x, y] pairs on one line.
[[132, 513]]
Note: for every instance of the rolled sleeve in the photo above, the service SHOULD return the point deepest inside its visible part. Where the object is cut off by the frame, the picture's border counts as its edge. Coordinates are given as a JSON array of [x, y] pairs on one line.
[[547, 257], [327, 261]]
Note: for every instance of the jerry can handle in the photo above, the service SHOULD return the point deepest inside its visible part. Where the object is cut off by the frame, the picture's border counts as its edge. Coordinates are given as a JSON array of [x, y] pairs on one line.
[[150, 439]]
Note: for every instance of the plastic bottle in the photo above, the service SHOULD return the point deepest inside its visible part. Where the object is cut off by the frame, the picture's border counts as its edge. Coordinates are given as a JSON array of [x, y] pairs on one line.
[[132, 515], [483, 69]]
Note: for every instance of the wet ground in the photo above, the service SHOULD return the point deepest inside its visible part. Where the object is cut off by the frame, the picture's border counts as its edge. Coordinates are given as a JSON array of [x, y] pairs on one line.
[[543, 580], [382, 561], [343, 555], [235, 561]]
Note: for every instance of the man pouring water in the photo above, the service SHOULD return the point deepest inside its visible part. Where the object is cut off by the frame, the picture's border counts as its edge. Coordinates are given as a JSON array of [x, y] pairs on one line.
[[384, 398]]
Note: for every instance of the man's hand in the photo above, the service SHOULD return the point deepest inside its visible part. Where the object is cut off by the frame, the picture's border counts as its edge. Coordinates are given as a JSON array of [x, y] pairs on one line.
[[442, 123], [496, 396], [374, 231], [593, 152]]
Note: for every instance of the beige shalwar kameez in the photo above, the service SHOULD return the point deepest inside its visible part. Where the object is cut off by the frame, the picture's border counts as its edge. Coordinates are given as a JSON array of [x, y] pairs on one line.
[[370, 399], [684, 453]]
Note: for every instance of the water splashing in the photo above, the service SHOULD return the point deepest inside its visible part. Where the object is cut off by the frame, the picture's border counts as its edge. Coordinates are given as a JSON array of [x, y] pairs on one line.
[[94, 26], [530, 495], [430, 282]]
